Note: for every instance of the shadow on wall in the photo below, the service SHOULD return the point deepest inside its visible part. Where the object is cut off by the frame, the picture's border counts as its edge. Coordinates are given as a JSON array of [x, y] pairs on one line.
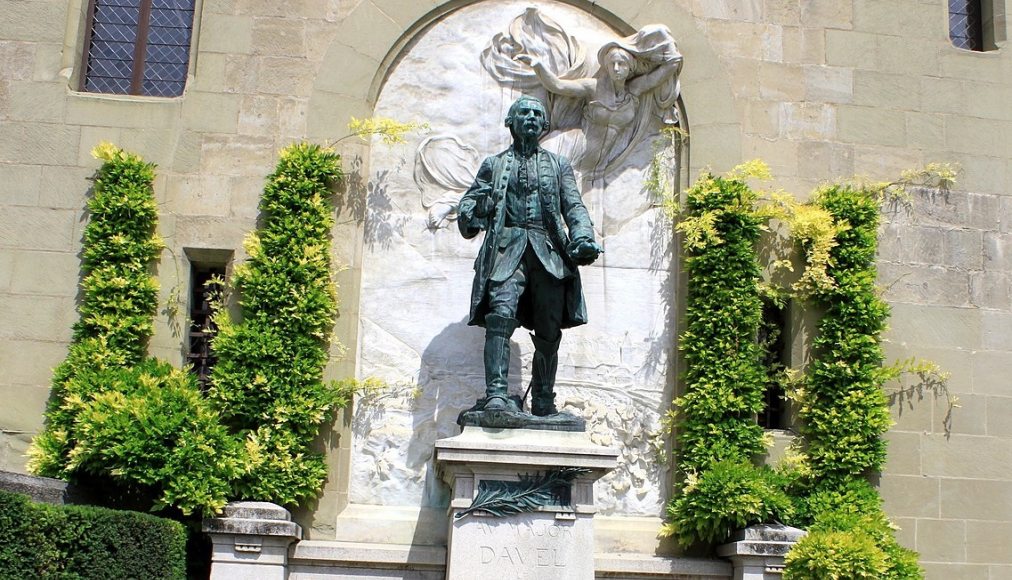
[[368, 202], [450, 379]]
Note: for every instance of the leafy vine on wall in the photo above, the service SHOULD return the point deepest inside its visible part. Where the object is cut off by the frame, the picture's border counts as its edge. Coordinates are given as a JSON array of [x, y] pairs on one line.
[[114, 413], [268, 381], [842, 404]]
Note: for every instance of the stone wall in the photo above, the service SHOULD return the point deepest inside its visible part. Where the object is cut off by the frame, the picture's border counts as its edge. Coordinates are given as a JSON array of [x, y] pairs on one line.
[[945, 264], [818, 89]]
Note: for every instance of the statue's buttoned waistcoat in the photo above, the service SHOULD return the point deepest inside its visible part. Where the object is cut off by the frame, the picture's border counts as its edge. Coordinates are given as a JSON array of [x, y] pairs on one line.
[[533, 199]]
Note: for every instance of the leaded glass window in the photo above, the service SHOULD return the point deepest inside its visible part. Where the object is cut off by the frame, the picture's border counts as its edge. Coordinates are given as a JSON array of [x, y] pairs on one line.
[[966, 24], [138, 47]]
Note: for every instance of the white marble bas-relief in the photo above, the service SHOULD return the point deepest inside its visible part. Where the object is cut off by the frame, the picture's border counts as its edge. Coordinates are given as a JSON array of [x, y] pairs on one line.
[[444, 169], [630, 90], [417, 272]]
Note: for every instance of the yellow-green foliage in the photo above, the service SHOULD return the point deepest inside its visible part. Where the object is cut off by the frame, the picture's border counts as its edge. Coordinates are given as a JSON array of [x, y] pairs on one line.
[[815, 231], [835, 556], [849, 536], [841, 401], [844, 411], [113, 413], [391, 131], [119, 295], [724, 497], [151, 427], [268, 381], [724, 377], [118, 299], [724, 380]]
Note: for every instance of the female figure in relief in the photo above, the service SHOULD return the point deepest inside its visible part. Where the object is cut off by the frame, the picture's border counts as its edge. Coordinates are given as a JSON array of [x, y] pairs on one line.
[[634, 91]]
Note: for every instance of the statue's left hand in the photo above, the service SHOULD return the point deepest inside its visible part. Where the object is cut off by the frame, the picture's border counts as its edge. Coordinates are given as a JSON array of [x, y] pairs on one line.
[[584, 252]]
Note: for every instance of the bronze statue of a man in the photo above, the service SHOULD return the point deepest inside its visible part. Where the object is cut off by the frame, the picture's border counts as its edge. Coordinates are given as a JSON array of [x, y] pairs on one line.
[[537, 231]]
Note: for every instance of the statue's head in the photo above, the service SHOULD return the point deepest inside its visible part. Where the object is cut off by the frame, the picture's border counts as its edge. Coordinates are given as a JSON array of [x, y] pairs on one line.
[[619, 63], [528, 117]]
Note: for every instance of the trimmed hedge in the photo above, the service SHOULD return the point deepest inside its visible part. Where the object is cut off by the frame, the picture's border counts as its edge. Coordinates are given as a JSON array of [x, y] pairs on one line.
[[81, 542]]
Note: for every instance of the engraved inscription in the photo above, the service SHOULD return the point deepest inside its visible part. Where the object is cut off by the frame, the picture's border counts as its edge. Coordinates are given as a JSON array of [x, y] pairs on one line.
[[517, 556], [513, 548], [526, 530]]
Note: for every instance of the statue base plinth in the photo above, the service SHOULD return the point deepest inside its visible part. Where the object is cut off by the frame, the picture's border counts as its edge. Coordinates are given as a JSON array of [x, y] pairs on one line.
[[479, 416], [549, 537]]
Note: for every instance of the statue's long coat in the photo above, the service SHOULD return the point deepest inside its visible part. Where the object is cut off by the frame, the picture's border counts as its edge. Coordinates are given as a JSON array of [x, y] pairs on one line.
[[560, 201]]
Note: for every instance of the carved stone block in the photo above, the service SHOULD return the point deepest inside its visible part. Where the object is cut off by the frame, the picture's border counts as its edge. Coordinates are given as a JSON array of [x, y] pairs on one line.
[[551, 537]]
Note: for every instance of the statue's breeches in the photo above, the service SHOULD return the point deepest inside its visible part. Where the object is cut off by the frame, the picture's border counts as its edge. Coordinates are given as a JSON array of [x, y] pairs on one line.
[[532, 288]]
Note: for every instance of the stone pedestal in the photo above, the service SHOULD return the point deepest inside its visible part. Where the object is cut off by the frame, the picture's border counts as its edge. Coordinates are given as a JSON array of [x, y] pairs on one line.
[[250, 541], [554, 542], [758, 552]]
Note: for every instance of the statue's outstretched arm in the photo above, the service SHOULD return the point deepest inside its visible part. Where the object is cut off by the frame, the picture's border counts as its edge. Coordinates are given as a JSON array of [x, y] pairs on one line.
[[579, 88], [653, 79]]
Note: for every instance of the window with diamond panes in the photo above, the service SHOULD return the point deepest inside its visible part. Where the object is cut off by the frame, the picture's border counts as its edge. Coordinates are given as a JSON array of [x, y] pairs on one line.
[[138, 47], [966, 28]]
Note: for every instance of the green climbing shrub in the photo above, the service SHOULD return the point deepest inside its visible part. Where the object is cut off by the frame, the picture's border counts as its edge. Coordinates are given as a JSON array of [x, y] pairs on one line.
[[724, 377], [726, 496], [849, 535], [842, 405], [843, 408], [119, 296], [832, 555], [151, 427], [268, 381], [114, 413], [717, 433]]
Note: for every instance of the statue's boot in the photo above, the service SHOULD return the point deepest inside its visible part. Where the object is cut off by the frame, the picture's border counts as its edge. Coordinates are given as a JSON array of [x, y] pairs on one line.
[[498, 330], [544, 367]]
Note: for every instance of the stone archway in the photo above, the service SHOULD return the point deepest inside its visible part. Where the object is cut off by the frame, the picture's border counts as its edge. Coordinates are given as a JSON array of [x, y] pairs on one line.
[[371, 44]]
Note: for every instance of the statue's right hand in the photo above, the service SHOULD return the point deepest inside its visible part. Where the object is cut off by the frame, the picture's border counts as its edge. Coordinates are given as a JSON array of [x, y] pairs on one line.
[[483, 206]]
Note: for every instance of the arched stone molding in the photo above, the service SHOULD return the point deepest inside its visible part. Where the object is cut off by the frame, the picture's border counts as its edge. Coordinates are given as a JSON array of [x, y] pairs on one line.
[[370, 40], [367, 46]]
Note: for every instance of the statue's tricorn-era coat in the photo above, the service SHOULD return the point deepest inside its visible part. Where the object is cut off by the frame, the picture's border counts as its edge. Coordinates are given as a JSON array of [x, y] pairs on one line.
[[504, 247]]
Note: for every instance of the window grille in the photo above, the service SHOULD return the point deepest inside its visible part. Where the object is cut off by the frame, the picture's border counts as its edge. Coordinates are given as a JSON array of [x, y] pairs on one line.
[[199, 354], [772, 337], [137, 47], [966, 28]]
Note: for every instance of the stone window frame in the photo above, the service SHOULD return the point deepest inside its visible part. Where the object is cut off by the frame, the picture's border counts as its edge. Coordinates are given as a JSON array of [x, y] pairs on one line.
[[977, 25], [87, 9], [199, 328]]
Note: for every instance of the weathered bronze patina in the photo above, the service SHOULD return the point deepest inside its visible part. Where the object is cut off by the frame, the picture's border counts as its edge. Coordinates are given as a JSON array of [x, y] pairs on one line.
[[537, 231]]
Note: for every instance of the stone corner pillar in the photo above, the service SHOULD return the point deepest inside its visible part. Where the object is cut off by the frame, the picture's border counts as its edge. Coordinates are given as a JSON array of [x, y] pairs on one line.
[[758, 552], [250, 541]]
